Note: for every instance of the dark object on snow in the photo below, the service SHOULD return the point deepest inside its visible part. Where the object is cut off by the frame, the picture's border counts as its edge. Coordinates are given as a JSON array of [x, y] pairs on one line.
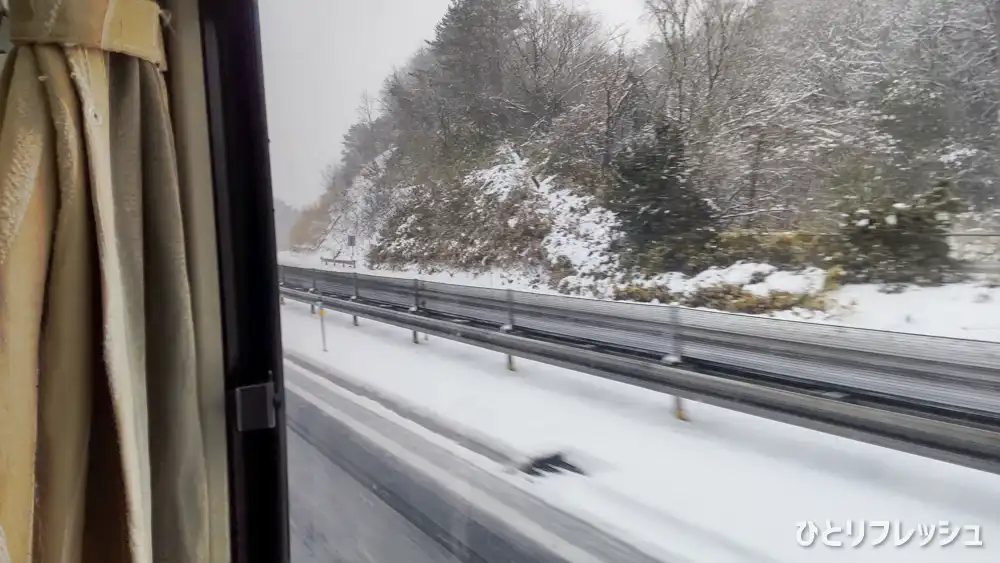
[[554, 463]]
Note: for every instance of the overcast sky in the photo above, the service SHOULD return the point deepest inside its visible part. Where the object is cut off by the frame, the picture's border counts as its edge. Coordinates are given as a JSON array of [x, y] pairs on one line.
[[321, 55]]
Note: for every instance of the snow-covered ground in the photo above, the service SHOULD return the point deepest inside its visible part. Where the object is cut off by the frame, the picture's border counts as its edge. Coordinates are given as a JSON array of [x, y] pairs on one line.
[[962, 310], [724, 487]]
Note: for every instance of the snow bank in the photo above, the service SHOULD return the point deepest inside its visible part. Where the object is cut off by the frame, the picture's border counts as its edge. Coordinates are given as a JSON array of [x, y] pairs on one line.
[[581, 230], [962, 310], [759, 279]]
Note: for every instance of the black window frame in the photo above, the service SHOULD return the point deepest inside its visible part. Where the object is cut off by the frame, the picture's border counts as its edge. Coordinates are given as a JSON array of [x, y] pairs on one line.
[[248, 275]]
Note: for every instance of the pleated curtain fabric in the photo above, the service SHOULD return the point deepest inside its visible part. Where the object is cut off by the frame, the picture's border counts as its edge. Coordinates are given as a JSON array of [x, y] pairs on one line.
[[102, 453]]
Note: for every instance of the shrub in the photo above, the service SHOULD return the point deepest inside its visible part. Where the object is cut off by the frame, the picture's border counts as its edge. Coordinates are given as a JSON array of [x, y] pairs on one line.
[[735, 299], [724, 297], [675, 253], [886, 241], [560, 269], [642, 294], [833, 278], [788, 250], [880, 240]]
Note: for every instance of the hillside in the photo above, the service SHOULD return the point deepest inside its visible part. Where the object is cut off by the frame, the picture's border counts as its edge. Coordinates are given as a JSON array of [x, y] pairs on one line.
[[528, 141]]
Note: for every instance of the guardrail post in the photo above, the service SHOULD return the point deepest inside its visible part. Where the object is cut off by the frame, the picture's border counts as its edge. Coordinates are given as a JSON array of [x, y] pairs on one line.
[[355, 298], [676, 356], [676, 353], [322, 323], [416, 306], [312, 305], [510, 326]]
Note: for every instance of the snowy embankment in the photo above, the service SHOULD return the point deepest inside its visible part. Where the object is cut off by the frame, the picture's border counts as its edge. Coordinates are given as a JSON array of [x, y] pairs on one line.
[[725, 487], [581, 234]]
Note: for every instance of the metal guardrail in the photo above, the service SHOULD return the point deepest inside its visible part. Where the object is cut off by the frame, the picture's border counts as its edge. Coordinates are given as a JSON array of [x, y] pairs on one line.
[[954, 442], [337, 262], [955, 376]]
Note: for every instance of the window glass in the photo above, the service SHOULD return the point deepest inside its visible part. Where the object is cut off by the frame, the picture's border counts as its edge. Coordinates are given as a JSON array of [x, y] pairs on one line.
[[626, 280]]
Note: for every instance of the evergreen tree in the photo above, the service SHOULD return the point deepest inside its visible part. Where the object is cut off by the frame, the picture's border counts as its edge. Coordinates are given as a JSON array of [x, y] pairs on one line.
[[471, 44], [889, 241], [665, 224]]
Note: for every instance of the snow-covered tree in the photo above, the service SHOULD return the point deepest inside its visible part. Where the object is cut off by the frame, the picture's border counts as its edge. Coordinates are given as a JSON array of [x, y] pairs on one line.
[[784, 109]]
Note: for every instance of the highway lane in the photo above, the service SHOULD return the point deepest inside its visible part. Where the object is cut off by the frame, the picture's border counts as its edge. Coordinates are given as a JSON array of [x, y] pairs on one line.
[[335, 519], [417, 500]]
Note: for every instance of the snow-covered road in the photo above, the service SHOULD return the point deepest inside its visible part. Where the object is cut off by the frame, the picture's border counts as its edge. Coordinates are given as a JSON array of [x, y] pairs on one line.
[[723, 487], [333, 517]]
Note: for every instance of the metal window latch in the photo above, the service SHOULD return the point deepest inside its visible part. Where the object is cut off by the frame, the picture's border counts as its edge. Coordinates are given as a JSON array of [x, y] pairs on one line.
[[256, 407]]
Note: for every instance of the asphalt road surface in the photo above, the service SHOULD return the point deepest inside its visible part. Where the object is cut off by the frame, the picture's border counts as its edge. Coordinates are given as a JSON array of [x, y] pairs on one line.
[[335, 519]]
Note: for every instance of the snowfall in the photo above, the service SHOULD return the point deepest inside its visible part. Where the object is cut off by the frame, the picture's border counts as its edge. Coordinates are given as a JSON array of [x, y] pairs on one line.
[[722, 487]]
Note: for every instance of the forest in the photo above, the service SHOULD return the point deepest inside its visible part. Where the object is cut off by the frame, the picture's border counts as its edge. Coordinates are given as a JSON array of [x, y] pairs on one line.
[[848, 135]]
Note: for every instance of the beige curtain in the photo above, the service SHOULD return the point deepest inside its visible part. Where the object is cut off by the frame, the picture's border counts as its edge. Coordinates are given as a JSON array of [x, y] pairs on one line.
[[101, 445]]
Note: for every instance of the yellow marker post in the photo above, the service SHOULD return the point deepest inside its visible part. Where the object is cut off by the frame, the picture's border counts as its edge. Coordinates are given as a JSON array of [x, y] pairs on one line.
[[679, 412]]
